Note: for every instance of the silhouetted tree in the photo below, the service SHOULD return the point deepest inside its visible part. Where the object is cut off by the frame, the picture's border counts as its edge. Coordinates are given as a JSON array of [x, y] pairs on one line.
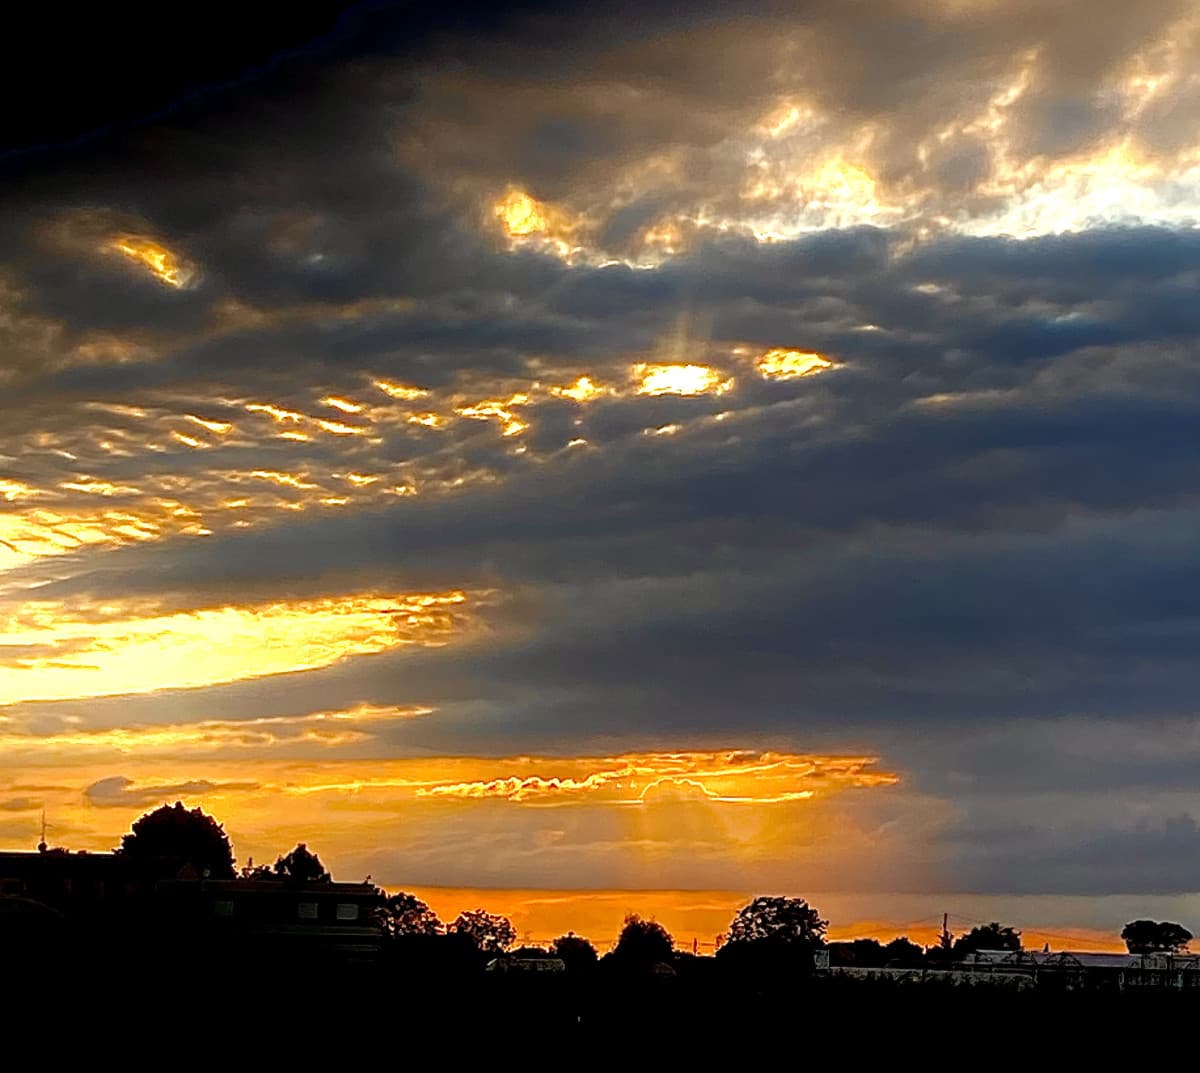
[[903, 953], [491, 934], [643, 943], [790, 920], [302, 866], [576, 952], [405, 914], [987, 937], [177, 839], [1153, 936]]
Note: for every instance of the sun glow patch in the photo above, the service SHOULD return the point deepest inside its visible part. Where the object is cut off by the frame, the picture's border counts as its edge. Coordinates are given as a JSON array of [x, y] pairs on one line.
[[655, 379]]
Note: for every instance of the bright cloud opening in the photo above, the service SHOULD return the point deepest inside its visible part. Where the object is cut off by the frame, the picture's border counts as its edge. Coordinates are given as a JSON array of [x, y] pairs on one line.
[[780, 364], [655, 379]]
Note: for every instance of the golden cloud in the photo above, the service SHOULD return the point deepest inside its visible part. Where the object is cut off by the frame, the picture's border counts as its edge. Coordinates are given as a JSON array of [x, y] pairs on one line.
[[345, 405], [735, 777], [400, 391], [218, 427], [12, 490], [585, 389], [328, 729], [166, 266], [781, 364], [498, 409], [58, 650], [669, 379], [527, 221], [521, 214]]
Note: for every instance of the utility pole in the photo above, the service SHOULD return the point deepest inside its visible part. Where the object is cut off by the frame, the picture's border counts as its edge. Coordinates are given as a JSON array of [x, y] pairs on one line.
[[945, 939]]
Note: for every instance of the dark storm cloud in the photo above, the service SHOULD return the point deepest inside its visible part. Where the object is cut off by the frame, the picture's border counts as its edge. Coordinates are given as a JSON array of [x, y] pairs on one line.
[[1106, 855]]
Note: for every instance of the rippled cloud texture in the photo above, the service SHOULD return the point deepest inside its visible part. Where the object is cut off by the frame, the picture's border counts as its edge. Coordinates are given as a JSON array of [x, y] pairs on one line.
[[687, 451]]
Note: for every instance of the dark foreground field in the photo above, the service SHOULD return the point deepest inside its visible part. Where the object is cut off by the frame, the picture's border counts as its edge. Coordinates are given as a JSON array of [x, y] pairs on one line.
[[322, 1015]]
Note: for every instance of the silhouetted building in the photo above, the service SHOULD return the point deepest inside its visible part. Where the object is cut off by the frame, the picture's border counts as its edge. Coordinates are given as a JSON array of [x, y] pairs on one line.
[[276, 918], [83, 887], [103, 898], [1069, 970], [1065, 971]]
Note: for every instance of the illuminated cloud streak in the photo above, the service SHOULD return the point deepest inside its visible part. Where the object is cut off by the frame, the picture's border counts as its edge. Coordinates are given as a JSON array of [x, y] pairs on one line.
[[736, 777], [55, 650]]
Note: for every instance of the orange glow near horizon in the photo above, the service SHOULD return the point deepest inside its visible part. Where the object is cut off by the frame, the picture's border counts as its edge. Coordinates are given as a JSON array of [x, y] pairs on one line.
[[541, 915], [380, 816], [271, 778]]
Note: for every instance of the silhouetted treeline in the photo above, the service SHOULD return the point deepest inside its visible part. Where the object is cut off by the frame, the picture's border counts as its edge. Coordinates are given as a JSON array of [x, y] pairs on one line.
[[170, 905]]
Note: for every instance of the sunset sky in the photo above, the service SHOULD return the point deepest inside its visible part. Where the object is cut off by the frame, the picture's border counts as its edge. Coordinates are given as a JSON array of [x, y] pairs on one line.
[[619, 457]]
